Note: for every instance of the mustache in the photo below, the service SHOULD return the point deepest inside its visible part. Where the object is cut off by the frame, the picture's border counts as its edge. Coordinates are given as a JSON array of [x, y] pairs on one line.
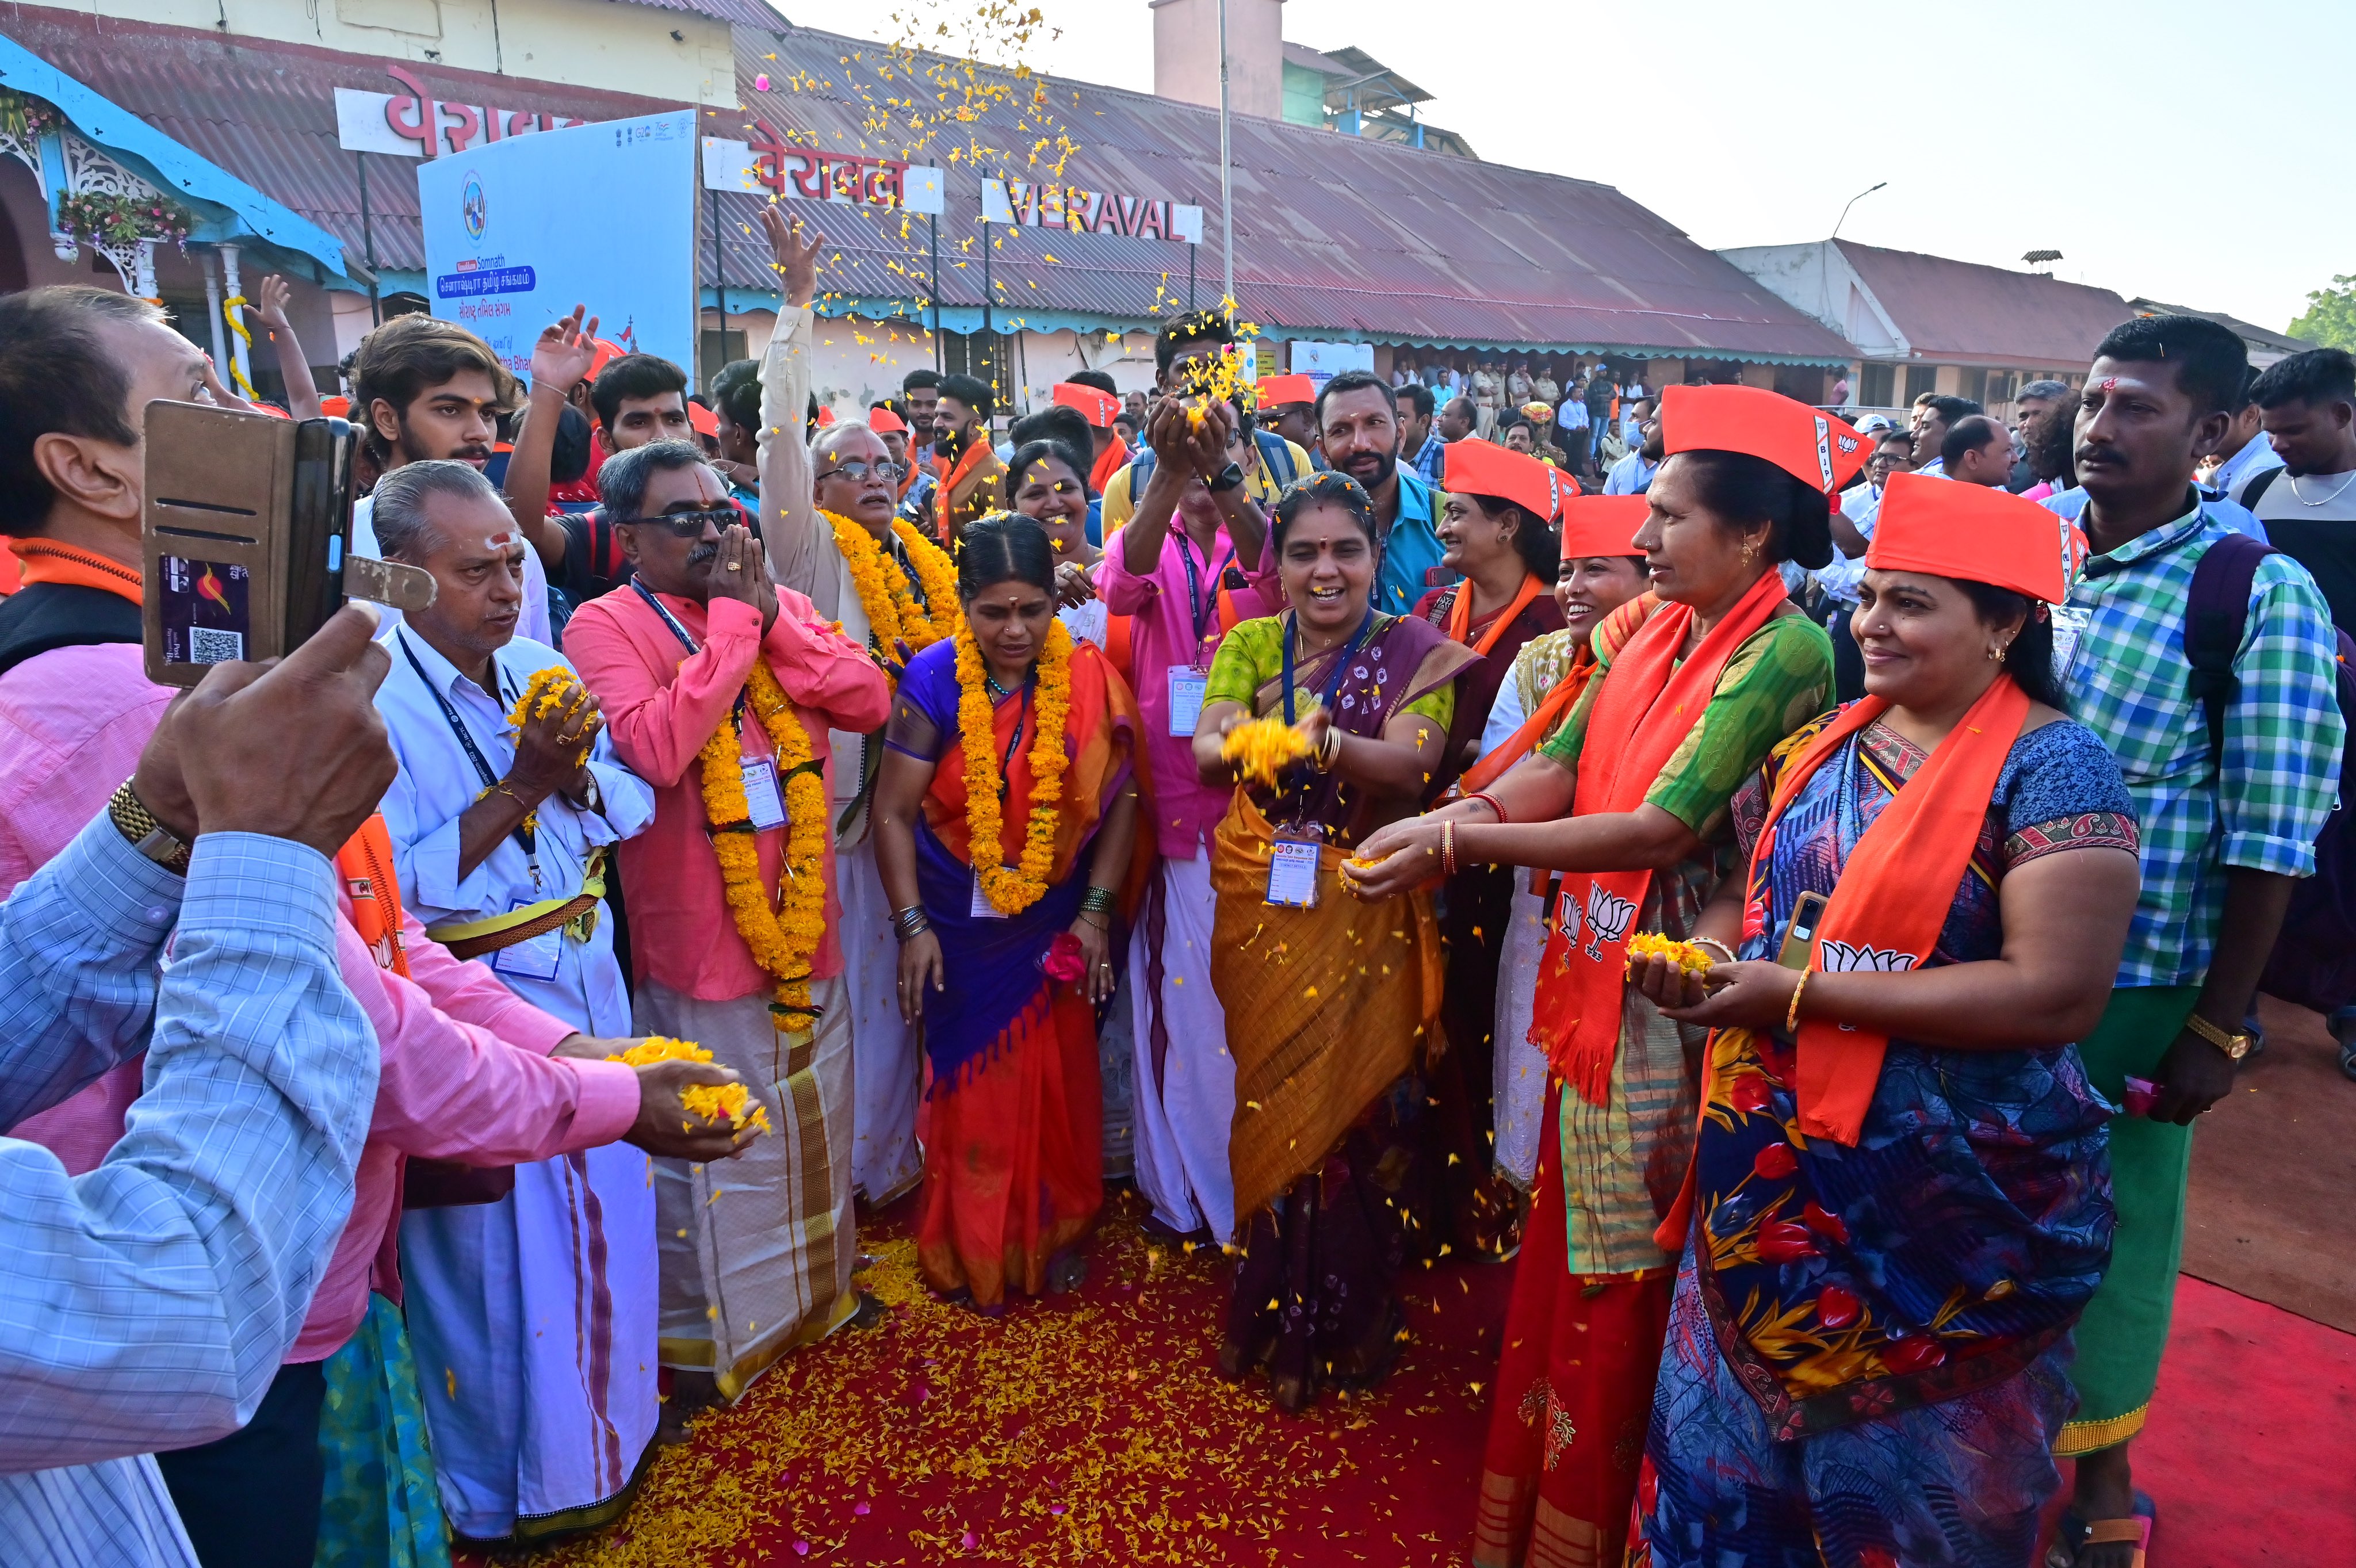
[[704, 552], [472, 454]]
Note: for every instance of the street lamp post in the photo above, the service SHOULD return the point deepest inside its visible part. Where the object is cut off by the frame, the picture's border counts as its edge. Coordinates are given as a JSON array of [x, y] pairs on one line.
[[1227, 167]]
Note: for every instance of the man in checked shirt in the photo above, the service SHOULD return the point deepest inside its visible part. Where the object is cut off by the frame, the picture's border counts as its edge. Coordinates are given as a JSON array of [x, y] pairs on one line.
[[2224, 836]]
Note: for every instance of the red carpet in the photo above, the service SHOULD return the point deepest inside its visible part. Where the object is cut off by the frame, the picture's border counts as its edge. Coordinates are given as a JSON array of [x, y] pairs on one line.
[[2248, 1450], [1098, 1431]]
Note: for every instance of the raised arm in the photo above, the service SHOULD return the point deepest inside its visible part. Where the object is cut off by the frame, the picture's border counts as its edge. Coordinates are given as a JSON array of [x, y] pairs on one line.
[[302, 391], [560, 358], [790, 526]]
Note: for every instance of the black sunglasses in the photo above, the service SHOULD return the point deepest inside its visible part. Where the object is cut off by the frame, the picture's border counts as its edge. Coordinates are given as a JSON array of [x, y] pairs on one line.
[[687, 524], [858, 468]]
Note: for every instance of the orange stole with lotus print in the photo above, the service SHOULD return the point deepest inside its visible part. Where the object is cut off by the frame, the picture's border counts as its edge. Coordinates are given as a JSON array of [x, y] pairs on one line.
[[1648, 704]]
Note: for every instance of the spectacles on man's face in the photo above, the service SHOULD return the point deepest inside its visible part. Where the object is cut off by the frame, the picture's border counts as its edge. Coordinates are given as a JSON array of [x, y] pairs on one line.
[[858, 468], [687, 524]]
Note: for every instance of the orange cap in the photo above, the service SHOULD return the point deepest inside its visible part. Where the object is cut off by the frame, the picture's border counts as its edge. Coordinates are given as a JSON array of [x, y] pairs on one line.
[[1814, 449], [1974, 534], [1482, 468], [606, 352], [1602, 525], [1097, 406], [825, 415], [705, 421], [337, 407], [884, 421], [1277, 391]]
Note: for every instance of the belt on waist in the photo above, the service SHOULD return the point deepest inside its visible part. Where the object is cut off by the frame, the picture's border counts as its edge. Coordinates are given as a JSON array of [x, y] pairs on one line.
[[472, 939]]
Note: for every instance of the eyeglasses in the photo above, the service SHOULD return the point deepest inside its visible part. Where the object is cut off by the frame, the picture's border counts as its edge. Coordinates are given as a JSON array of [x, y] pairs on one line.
[[687, 524], [858, 468]]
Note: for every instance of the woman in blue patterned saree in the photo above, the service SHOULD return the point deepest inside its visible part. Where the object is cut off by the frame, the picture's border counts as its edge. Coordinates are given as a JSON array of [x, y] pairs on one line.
[[1900, 1197]]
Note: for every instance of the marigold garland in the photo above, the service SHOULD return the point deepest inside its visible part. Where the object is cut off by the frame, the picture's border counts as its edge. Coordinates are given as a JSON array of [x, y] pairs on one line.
[[782, 944], [549, 690], [713, 1101], [894, 615], [1012, 889]]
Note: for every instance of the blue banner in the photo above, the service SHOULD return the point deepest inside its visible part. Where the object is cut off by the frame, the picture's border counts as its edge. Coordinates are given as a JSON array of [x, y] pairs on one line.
[[510, 249]]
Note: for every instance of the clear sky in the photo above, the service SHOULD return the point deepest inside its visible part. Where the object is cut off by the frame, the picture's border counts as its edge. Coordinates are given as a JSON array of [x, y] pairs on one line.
[[2169, 149]]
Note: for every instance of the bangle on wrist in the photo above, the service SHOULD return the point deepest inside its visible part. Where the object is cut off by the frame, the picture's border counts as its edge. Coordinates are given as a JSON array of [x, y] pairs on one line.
[[1791, 1014], [1448, 847], [1491, 802], [1722, 946], [910, 923], [1096, 901]]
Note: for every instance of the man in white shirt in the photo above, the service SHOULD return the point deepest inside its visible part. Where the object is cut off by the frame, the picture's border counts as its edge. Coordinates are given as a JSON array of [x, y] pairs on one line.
[[1633, 474], [2246, 452]]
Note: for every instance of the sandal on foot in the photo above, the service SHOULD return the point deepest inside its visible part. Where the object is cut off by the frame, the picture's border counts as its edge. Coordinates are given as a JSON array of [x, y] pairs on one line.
[[2072, 1535], [2138, 1530]]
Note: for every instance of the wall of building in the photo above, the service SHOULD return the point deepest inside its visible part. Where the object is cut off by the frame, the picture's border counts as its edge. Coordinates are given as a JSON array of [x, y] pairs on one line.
[[1186, 54], [1815, 278], [591, 43]]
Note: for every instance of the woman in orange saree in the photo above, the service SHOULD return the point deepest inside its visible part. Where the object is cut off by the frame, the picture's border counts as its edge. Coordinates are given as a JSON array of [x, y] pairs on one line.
[[1006, 956]]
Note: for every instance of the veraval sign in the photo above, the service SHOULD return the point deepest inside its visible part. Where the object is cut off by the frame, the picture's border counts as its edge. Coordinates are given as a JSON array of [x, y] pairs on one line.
[[1038, 206], [770, 163], [413, 123]]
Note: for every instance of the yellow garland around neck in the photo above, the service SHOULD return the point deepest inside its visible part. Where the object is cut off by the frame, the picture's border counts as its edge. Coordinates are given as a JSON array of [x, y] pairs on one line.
[[892, 613], [1012, 889], [781, 943]]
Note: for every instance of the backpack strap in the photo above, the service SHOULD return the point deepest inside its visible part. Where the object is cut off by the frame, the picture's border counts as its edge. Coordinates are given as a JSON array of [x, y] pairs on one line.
[[2217, 610], [2259, 484], [41, 617]]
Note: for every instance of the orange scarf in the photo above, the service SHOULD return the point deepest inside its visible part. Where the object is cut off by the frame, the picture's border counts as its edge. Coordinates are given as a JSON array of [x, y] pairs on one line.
[[365, 863], [1460, 615], [976, 453], [1647, 705], [1882, 915], [1110, 461], [49, 561]]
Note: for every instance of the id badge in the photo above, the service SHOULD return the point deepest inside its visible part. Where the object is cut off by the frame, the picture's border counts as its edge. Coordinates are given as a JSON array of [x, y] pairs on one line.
[[761, 794], [2069, 626], [535, 958], [1186, 689], [982, 909], [1293, 874]]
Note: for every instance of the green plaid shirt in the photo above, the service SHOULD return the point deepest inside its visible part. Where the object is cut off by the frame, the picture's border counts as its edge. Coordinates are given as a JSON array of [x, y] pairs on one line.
[[2128, 680]]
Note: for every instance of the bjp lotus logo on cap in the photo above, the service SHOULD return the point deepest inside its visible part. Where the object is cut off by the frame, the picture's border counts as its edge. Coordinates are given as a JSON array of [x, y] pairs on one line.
[[473, 207], [1608, 915]]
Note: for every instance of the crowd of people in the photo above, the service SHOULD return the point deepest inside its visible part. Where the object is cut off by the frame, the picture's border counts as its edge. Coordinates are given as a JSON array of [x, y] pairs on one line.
[[1787, 896]]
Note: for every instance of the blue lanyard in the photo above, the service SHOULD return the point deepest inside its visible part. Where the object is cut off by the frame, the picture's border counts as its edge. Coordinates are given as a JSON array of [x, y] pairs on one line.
[[686, 641], [1334, 686], [1194, 603], [523, 835]]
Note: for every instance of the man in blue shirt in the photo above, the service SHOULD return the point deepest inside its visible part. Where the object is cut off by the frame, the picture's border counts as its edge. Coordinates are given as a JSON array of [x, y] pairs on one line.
[[1633, 474], [1357, 414], [1419, 443]]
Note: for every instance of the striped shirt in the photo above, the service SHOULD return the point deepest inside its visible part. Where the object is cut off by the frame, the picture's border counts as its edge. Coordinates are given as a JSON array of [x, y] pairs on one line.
[[2258, 806], [148, 1304]]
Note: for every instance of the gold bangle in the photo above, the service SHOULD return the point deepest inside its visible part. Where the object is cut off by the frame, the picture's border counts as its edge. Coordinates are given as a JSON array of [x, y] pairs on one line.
[[1791, 1014]]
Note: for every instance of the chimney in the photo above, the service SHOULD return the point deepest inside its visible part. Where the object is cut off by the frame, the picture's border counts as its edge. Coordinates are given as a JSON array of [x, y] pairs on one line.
[[1186, 54]]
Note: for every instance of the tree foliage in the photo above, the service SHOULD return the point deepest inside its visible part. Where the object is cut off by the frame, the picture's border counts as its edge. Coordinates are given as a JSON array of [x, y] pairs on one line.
[[2331, 319]]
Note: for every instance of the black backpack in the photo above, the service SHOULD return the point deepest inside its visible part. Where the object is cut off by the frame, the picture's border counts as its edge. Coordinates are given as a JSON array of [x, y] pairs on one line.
[[2314, 960]]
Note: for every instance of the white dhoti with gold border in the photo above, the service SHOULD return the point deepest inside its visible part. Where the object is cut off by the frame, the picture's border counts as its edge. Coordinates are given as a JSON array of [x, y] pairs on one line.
[[757, 1250]]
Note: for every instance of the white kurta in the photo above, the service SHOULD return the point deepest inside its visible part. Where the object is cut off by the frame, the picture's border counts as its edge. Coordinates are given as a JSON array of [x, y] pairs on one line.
[[1186, 1101], [533, 1317]]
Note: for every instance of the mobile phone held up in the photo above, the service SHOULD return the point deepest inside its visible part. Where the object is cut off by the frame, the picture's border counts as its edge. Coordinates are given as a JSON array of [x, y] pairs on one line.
[[245, 537]]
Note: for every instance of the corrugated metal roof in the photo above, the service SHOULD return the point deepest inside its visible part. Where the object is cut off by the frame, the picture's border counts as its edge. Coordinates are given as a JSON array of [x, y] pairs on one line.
[[1961, 312], [266, 112], [1334, 234], [745, 13]]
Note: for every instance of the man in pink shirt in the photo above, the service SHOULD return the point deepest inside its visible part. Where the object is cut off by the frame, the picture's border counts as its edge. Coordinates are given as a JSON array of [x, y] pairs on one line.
[[468, 1073], [1187, 567], [756, 1257]]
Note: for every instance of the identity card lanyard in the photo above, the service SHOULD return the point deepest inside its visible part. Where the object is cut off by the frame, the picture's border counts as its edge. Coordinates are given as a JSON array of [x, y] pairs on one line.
[[1204, 612], [523, 833], [764, 791], [1334, 686], [1292, 865]]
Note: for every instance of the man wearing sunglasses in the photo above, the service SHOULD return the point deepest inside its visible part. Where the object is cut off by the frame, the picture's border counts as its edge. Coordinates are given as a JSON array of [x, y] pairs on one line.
[[670, 657]]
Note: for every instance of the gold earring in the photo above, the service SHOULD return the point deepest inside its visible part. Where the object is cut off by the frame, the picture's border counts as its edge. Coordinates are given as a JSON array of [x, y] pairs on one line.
[[1995, 654]]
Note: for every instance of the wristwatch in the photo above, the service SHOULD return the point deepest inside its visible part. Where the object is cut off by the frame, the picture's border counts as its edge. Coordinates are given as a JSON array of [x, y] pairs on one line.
[[2234, 1042], [1225, 479], [149, 837]]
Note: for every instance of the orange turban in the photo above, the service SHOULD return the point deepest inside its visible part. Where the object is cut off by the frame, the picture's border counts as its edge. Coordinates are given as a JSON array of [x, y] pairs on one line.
[[1814, 449], [1974, 534]]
